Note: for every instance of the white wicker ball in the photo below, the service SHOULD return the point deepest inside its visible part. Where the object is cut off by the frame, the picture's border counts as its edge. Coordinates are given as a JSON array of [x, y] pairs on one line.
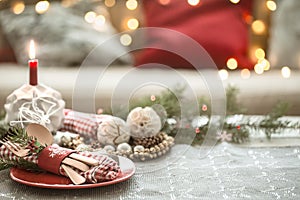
[[113, 131], [143, 122]]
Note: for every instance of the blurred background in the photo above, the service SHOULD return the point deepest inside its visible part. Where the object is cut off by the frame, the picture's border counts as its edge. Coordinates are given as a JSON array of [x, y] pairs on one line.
[[246, 34], [254, 43]]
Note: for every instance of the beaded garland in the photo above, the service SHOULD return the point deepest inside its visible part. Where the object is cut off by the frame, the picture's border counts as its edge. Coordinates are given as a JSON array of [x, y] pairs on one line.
[[153, 150], [141, 149]]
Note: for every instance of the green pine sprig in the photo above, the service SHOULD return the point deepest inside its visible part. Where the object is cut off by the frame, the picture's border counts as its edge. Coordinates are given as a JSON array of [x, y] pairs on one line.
[[19, 135]]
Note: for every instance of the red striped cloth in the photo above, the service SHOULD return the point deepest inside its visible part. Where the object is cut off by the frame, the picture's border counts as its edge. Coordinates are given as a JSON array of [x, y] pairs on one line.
[[84, 124], [107, 168]]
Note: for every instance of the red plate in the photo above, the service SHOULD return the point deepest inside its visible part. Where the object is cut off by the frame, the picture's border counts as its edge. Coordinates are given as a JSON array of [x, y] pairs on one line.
[[48, 180]]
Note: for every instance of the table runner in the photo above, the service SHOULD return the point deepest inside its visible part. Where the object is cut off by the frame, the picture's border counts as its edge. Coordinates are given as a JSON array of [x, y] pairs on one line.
[[227, 172]]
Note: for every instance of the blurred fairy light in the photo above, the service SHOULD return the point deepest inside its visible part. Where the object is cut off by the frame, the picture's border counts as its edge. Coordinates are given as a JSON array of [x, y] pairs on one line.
[[99, 20], [193, 2], [132, 23], [232, 63], [265, 64], [66, 3], [223, 73], [259, 68], [245, 73], [42, 6], [110, 3], [164, 2], [260, 53], [18, 7], [285, 72], [131, 4], [258, 27], [271, 5], [126, 39], [153, 98], [234, 1], [90, 17]]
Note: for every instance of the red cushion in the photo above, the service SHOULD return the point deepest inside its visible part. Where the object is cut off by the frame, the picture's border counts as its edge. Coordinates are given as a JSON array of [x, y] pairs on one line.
[[218, 25]]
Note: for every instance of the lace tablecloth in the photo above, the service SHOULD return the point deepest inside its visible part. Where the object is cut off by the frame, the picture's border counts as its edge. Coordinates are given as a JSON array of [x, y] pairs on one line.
[[227, 172]]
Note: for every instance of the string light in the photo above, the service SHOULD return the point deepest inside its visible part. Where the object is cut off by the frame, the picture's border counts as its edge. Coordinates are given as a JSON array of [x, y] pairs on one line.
[[232, 63], [245, 73], [223, 74], [133, 23], [259, 68], [193, 2], [285, 72], [260, 53], [90, 17], [99, 20], [131, 4], [110, 3], [42, 6], [126, 39], [18, 7], [258, 27], [164, 2], [265, 64], [235, 1], [271, 5]]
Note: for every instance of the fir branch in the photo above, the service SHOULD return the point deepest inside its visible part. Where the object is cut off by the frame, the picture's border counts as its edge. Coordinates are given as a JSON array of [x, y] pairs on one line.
[[232, 104]]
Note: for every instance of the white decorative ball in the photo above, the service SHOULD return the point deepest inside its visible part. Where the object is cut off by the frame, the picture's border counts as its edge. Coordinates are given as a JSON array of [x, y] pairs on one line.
[[143, 122], [113, 131], [138, 148], [124, 147], [109, 148]]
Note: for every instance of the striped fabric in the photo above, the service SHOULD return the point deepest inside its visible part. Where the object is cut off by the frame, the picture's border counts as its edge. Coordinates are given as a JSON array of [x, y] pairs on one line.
[[106, 170]]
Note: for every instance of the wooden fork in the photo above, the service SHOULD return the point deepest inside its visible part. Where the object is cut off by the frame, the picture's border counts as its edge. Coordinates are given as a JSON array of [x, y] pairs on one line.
[[15, 148]]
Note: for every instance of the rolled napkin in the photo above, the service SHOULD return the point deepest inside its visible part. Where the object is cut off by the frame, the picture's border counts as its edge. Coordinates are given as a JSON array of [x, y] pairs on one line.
[[53, 159], [106, 129]]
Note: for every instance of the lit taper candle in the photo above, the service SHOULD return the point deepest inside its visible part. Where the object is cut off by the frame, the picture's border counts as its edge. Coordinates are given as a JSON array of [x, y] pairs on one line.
[[33, 65]]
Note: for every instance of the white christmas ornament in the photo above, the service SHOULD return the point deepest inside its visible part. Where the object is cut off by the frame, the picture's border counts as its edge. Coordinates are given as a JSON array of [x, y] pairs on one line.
[[35, 104], [113, 131], [143, 122]]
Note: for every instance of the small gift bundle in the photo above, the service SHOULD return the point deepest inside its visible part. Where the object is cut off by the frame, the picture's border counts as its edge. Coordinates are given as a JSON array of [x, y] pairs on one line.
[[23, 150]]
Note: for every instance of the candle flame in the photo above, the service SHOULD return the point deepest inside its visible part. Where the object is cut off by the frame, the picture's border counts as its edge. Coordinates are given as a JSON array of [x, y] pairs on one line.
[[31, 50]]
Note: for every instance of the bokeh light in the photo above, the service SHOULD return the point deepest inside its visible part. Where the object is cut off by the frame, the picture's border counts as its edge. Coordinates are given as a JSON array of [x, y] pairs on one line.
[[259, 68], [271, 5], [18, 7], [234, 1], [245, 73], [99, 20], [131, 4], [232, 63], [110, 3], [133, 23], [90, 17], [193, 2], [42, 6], [126, 39], [258, 27], [260, 53], [223, 73], [285, 72], [164, 2]]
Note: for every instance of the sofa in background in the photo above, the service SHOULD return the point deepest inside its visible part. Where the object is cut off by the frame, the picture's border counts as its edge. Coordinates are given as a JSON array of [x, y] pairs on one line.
[[258, 94]]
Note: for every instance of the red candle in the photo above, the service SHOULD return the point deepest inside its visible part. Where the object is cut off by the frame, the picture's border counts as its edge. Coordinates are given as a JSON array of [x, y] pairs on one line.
[[33, 74], [33, 65]]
